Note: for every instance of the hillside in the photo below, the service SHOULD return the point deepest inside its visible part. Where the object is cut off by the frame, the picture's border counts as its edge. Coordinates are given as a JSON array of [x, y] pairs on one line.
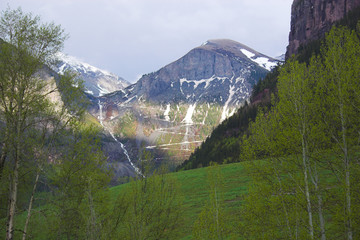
[[171, 111]]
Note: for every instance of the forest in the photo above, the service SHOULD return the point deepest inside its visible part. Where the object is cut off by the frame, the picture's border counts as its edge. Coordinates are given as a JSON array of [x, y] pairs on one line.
[[298, 176]]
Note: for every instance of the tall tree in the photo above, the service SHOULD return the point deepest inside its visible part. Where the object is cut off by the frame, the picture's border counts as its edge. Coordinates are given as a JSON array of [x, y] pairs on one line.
[[292, 127], [79, 184], [295, 96], [340, 106], [211, 223], [272, 207], [28, 45], [315, 126], [152, 208]]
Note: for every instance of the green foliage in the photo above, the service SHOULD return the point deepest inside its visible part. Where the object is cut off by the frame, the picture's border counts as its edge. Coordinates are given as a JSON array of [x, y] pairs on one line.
[[35, 123], [211, 222], [149, 208], [269, 82], [79, 184], [25, 108], [315, 113], [194, 191]]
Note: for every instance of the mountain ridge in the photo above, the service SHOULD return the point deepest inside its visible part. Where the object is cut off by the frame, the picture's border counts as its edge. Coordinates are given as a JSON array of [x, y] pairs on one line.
[[97, 82], [200, 68]]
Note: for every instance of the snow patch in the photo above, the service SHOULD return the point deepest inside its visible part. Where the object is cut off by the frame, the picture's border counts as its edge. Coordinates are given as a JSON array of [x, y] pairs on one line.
[[247, 53], [189, 114], [166, 113], [225, 112], [198, 82], [78, 64], [102, 91], [204, 43], [261, 61], [265, 63], [89, 92], [129, 100]]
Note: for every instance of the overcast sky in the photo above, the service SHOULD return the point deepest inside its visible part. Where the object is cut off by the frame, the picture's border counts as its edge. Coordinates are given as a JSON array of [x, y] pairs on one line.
[[135, 37]]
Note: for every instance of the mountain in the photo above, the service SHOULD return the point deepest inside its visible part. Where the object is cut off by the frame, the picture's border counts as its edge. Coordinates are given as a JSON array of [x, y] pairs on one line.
[[281, 57], [97, 81], [218, 71], [311, 19], [173, 110]]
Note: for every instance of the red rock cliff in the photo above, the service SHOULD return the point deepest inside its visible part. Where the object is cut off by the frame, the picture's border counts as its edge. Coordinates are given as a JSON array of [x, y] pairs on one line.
[[311, 19]]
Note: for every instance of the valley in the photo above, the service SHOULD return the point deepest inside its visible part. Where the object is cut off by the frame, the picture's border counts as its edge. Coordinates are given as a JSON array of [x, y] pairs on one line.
[[223, 143]]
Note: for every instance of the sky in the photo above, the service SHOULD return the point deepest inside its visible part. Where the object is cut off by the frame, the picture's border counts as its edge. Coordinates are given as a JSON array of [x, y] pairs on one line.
[[135, 37]]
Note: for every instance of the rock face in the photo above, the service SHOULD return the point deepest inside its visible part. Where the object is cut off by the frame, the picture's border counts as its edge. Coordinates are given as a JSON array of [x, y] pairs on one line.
[[311, 19], [206, 74]]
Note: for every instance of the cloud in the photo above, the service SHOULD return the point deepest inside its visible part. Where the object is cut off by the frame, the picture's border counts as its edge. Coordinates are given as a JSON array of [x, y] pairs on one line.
[[132, 36]]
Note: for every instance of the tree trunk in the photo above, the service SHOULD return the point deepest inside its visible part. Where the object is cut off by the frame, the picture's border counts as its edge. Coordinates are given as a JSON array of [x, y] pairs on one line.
[[12, 201], [283, 205], [315, 180], [15, 178], [3, 157], [93, 232], [307, 192], [30, 206]]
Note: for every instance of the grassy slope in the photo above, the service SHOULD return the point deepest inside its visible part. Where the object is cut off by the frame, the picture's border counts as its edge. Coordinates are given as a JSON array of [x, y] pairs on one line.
[[194, 187], [195, 190]]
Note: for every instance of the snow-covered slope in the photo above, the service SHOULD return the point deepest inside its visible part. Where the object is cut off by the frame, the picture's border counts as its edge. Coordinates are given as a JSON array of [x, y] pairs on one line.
[[261, 61], [97, 81]]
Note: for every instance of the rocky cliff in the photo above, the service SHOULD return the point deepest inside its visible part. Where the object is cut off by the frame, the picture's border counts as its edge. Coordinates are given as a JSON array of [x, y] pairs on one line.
[[311, 19]]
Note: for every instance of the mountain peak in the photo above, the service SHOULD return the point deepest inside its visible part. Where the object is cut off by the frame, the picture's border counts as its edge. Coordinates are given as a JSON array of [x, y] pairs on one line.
[[227, 46], [97, 81], [219, 71], [223, 43]]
